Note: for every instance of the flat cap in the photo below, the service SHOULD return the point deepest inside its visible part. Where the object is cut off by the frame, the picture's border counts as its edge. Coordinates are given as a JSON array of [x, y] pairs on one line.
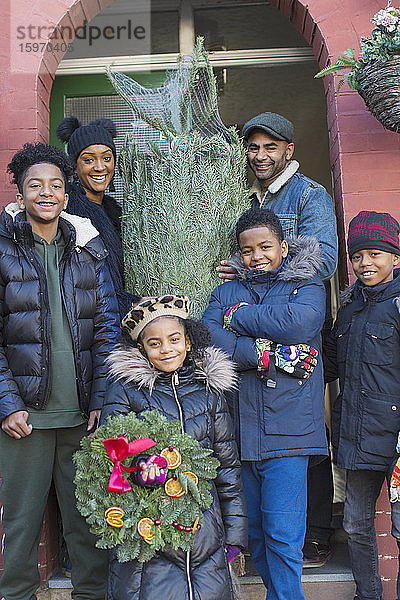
[[273, 124]]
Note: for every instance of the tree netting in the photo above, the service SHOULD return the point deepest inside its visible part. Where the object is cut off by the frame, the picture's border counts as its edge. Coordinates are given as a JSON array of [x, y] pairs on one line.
[[184, 183]]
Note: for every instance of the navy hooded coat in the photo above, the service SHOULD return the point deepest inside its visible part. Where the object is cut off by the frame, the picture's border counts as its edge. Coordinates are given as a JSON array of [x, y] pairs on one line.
[[287, 306], [363, 351]]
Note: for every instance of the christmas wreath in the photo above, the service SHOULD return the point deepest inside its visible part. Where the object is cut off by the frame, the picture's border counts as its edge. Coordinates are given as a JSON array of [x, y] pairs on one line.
[[142, 484]]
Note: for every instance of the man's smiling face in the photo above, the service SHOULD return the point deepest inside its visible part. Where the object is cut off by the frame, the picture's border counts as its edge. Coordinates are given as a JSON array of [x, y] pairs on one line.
[[267, 156]]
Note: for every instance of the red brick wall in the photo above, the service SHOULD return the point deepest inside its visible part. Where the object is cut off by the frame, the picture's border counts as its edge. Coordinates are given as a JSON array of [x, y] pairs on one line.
[[364, 157]]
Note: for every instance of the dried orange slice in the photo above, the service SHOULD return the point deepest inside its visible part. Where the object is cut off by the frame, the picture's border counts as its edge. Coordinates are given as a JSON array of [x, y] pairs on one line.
[[195, 525], [173, 457], [173, 488], [148, 540], [114, 516], [192, 476], [145, 529]]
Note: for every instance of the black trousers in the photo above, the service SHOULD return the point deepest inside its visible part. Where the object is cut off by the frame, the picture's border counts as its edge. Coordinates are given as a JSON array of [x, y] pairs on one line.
[[319, 476], [319, 502]]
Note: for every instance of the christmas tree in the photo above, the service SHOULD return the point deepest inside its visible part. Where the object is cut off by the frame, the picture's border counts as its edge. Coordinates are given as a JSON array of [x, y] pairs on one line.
[[184, 183]]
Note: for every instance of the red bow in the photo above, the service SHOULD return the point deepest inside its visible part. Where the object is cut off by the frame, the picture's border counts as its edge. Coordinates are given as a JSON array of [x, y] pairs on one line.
[[118, 449]]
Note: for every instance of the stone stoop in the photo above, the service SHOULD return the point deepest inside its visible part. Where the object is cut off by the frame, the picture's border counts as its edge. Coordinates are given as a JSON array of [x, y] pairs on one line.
[[339, 587], [328, 587], [333, 581], [315, 588], [59, 588]]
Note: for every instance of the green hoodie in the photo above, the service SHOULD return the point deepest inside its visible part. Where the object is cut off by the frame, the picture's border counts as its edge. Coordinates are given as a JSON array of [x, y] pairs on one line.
[[63, 406]]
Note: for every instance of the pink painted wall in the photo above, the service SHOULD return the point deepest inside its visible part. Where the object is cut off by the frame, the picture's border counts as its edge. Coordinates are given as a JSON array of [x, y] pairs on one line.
[[364, 156]]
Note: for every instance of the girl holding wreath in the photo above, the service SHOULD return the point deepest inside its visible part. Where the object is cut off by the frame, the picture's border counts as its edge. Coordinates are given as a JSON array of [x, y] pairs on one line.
[[165, 364]]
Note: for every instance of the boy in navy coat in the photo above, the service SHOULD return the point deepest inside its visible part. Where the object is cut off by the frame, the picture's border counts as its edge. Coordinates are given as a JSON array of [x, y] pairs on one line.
[[269, 321], [363, 352]]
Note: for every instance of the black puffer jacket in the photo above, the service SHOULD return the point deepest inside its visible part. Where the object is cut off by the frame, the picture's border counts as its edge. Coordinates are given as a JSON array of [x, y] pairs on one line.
[[364, 352], [197, 400], [25, 320]]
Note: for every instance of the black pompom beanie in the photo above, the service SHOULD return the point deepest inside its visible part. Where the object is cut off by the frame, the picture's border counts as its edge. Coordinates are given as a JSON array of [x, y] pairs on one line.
[[78, 136]]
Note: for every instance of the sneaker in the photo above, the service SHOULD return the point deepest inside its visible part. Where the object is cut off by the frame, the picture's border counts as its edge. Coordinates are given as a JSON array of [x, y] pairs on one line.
[[315, 554]]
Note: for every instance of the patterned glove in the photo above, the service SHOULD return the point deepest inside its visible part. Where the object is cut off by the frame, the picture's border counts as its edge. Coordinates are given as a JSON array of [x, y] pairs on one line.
[[229, 315], [395, 483], [296, 361]]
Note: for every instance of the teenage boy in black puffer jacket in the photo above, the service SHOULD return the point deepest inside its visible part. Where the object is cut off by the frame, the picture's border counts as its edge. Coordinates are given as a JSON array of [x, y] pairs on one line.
[[363, 351], [58, 322]]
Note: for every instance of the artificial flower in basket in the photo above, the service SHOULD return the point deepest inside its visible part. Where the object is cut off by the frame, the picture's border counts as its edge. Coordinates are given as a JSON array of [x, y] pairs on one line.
[[375, 73]]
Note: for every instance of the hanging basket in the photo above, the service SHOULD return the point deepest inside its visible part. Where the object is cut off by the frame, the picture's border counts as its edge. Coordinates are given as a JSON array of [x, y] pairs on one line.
[[379, 86]]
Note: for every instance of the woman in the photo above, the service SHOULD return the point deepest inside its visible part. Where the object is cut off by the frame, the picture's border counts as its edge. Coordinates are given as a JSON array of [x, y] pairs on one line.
[[92, 149]]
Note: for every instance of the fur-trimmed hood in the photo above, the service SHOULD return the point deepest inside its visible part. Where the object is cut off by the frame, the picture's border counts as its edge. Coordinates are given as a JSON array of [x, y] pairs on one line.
[[302, 264], [215, 368], [84, 229], [346, 296]]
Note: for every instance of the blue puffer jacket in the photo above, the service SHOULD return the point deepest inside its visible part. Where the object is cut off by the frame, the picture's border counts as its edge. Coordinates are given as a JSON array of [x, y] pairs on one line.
[[25, 320], [364, 352], [288, 307]]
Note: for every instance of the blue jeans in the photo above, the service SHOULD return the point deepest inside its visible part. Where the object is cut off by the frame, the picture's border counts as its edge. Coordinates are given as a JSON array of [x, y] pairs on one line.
[[362, 491], [276, 498]]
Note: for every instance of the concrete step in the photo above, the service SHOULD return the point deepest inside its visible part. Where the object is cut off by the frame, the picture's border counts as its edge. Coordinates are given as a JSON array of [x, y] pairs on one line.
[[326, 590], [59, 588], [251, 588], [333, 581]]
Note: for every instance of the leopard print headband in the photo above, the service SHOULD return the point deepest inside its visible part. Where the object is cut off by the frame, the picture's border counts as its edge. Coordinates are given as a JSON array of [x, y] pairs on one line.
[[148, 310]]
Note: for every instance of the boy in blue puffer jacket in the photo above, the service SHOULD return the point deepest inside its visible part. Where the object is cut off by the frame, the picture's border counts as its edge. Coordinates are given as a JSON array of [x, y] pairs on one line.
[[269, 320]]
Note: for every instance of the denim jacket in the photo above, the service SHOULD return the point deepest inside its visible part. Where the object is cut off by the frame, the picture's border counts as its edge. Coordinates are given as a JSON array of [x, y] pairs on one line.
[[304, 208]]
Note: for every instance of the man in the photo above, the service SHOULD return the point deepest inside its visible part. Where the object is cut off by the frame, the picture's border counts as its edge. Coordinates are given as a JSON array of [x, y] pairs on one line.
[[304, 208], [58, 323]]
